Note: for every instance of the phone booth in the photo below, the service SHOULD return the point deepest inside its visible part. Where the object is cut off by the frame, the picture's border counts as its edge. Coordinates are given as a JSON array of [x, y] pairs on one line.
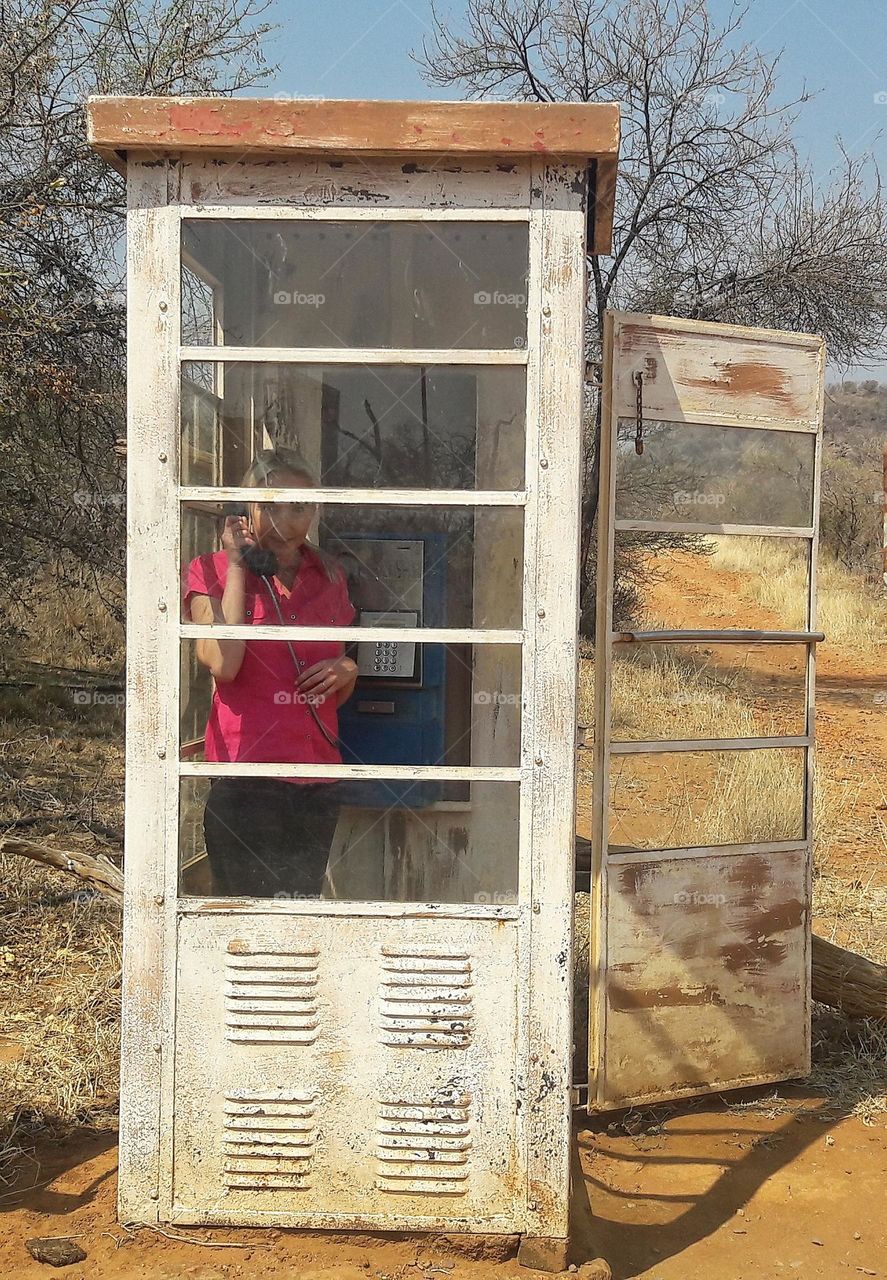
[[396, 292], [356, 329]]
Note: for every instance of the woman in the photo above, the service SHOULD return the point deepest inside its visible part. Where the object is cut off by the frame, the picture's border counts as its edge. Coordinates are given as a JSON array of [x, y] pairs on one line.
[[273, 701]]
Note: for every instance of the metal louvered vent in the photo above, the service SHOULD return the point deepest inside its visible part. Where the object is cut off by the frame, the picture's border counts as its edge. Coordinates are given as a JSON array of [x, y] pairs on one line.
[[423, 1148], [426, 998], [269, 1140], [270, 995]]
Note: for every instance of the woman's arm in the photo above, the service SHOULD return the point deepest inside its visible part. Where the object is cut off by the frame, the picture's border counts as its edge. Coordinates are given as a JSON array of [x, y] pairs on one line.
[[224, 658]]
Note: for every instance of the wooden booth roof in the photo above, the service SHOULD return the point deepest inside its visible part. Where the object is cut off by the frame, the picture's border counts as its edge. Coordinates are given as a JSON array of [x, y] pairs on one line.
[[576, 132]]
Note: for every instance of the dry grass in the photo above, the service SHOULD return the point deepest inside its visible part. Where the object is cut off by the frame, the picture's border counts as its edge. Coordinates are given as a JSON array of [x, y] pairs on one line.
[[848, 611], [59, 943]]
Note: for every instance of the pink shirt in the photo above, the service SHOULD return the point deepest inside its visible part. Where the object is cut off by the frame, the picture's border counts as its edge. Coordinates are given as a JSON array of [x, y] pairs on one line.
[[260, 715]]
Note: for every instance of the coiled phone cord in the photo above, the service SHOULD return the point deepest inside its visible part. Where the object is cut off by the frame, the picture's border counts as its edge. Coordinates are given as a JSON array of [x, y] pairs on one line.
[[331, 739]]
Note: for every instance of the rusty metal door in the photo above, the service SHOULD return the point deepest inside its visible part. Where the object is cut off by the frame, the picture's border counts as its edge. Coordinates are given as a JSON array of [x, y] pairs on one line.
[[703, 683]]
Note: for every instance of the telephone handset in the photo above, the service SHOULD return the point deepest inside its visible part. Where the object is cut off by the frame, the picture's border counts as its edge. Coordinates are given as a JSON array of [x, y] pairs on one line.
[[259, 560]]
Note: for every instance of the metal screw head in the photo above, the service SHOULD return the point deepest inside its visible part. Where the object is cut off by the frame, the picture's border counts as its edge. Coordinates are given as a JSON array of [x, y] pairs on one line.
[[546, 310], [161, 605], [162, 457], [161, 753], [539, 760], [543, 463], [536, 908], [540, 613], [164, 306], [158, 898]]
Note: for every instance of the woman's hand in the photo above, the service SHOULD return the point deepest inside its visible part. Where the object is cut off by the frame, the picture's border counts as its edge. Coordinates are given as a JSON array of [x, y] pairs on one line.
[[236, 537], [331, 676]]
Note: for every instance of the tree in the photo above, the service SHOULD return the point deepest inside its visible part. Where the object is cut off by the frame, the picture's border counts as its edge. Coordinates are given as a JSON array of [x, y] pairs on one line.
[[62, 306], [716, 216]]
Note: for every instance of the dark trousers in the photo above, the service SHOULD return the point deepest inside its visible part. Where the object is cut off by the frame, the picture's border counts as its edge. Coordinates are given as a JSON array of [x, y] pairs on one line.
[[269, 838]]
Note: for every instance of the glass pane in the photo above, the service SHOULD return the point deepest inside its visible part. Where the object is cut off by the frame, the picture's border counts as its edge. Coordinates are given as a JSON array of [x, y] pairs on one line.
[[365, 565], [680, 582], [369, 427], [685, 799], [298, 702], [304, 283], [350, 841], [663, 692], [714, 475]]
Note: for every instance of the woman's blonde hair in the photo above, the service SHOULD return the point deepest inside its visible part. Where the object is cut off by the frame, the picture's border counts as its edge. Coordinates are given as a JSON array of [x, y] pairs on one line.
[[270, 462]]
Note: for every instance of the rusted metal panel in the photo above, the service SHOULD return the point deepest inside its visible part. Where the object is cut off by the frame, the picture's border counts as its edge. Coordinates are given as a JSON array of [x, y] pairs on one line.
[[706, 974], [695, 372], [561, 130], [351, 1078]]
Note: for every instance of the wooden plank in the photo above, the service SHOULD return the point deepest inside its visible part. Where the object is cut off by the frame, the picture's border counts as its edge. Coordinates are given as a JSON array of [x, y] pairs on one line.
[[552, 695], [152, 664], [415, 635], [336, 213], [628, 857], [335, 907], [207, 494], [225, 126], [475, 186], [602, 714], [412, 772], [606, 172], [702, 372], [706, 744], [356, 355], [706, 975], [690, 526]]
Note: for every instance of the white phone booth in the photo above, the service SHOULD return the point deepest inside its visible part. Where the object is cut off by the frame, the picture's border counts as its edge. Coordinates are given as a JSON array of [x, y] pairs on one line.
[[396, 293]]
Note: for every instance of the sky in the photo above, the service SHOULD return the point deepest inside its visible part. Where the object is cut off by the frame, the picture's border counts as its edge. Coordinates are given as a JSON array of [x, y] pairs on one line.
[[835, 49]]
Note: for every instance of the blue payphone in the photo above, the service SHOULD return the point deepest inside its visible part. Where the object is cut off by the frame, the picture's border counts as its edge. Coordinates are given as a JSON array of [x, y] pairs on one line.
[[396, 714]]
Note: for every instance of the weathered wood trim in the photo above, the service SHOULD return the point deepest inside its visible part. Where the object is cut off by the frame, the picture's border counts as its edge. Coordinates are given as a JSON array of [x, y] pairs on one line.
[[629, 857], [552, 694], [657, 747], [234, 126], [152, 668], [606, 173], [690, 526], [360, 213], [597, 968], [355, 355], [415, 635], [440, 773], [341, 907], [357, 497]]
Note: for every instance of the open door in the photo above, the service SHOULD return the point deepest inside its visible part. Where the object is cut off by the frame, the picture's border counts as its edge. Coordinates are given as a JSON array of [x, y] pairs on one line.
[[704, 681]]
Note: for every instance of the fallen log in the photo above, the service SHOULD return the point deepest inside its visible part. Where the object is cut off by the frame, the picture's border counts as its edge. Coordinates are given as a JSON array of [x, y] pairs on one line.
[[99, 872], [848, 982]]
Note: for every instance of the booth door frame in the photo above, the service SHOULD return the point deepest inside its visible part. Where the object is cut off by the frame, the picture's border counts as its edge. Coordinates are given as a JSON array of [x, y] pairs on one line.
[[552, 197], [664, 1000]]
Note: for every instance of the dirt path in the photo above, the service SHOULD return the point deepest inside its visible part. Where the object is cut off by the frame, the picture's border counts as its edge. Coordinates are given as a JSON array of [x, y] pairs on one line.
[[714, 1193]]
